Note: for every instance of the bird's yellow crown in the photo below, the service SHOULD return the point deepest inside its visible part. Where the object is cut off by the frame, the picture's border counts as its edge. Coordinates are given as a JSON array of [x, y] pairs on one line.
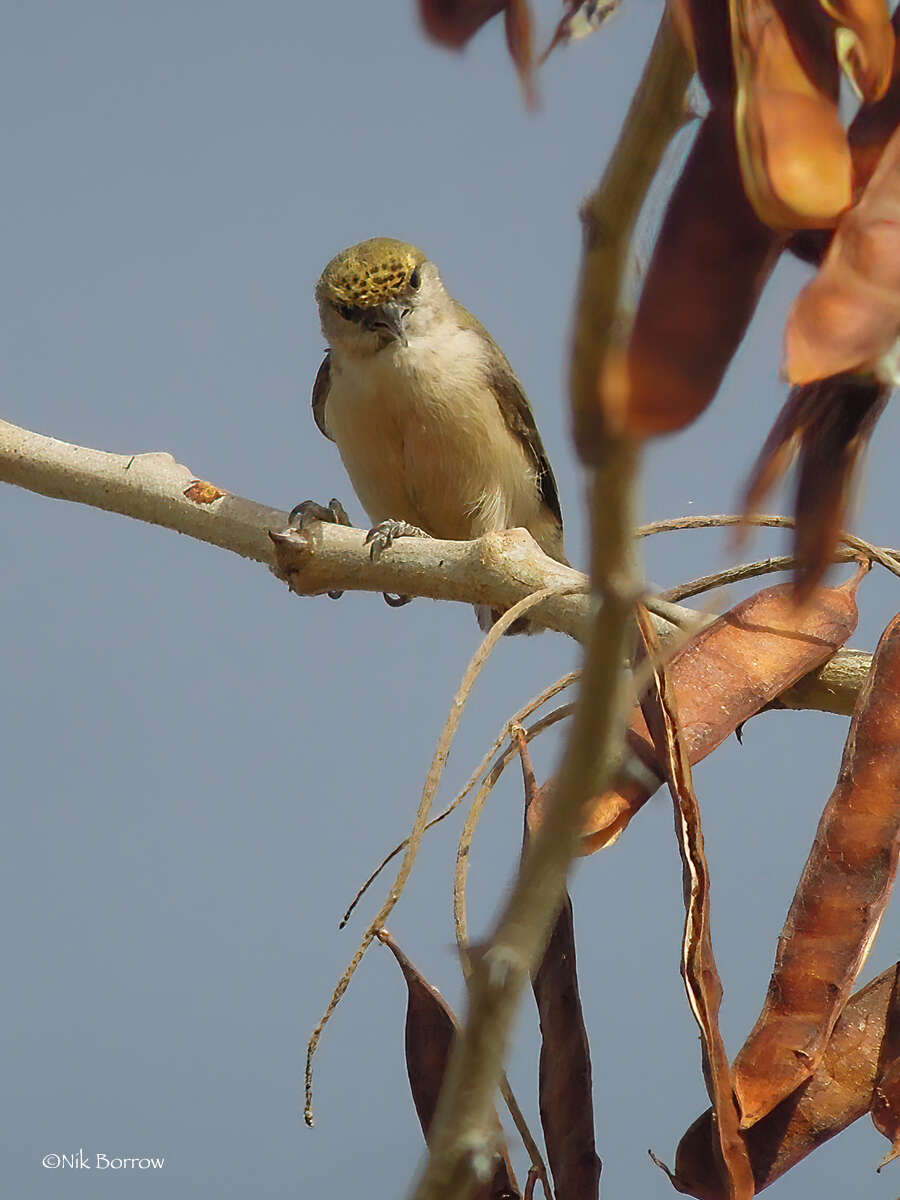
[[369, 273]]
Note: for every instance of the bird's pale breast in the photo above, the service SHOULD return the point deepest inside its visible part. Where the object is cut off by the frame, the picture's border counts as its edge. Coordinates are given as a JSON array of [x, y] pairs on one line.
[[422, 437]]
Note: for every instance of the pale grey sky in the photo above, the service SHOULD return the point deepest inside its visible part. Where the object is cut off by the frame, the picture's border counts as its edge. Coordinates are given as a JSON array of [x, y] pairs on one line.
[[200, 769]]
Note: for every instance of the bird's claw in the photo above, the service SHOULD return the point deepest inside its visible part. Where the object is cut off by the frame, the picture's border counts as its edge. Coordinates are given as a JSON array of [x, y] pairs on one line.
[[381, 537], [395, 601], [302, 515], [305, 513]]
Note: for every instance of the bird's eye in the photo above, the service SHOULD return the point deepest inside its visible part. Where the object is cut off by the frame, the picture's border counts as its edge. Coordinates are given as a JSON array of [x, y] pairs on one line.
[[346, 311], [415, 279]]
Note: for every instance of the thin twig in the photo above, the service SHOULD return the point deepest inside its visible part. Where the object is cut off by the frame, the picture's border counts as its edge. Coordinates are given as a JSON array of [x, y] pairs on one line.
[[431, 785], [538, 1166], [763, 566], [887, 556], [533, 704], [466, 837]]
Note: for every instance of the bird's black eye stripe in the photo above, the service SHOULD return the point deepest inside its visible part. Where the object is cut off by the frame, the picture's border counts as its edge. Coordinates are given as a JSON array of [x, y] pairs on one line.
[[347, 311], [415, 279]]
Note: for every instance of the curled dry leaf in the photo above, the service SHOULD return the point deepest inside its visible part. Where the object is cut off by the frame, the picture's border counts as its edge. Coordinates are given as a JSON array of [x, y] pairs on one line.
[[869, 133], [566, 1093], [722, 676], [430, 1030], [839, 1092], [794, 156], [848, 317], [839, 902], [708, 268], [698, 964], [829, 424], [453, 22]]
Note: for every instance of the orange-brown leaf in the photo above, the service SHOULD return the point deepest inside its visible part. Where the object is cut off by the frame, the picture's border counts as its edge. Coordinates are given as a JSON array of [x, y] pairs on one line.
[[721, 678], [848, 317], [793, 151], [869, 133], [709, 265], [839, 902], [698, 964], [839, 1092]]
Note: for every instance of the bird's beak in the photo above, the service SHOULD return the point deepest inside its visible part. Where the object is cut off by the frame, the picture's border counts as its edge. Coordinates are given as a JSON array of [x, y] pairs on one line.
[[391, 317]]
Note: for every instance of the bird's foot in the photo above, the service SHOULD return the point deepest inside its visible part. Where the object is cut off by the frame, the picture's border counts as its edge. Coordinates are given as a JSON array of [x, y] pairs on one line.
[[382, 535], [380, 538], [303, 515], [395, 601]]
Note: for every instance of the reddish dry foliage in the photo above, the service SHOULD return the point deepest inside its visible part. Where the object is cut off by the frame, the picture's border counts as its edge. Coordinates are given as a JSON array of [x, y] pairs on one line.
[[795, 161], [839, 1093], [839, 902], [721, 678], [869, 133], [565, 1089], [698, 964], [708, 268], [848, 317], [430, 1030], [828, 424], [453, 22]]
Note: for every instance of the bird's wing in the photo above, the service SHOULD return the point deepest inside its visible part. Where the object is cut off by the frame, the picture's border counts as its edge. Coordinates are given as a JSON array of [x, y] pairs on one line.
[[320, 391], [520, 419], [516, 411]]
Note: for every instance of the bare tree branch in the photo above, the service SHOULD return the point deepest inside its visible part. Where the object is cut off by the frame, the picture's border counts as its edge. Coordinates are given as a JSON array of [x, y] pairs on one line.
[[499, 569], [149, 487]]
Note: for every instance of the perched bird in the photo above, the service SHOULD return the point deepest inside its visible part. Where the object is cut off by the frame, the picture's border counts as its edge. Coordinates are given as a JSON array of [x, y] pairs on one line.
[[433, 427]]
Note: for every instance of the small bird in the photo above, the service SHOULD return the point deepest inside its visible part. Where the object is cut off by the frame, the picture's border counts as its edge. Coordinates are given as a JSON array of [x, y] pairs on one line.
[[433, 427]]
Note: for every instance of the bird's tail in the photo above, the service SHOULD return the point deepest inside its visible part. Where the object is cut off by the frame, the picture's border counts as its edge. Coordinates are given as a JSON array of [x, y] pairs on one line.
[[487, 617]]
